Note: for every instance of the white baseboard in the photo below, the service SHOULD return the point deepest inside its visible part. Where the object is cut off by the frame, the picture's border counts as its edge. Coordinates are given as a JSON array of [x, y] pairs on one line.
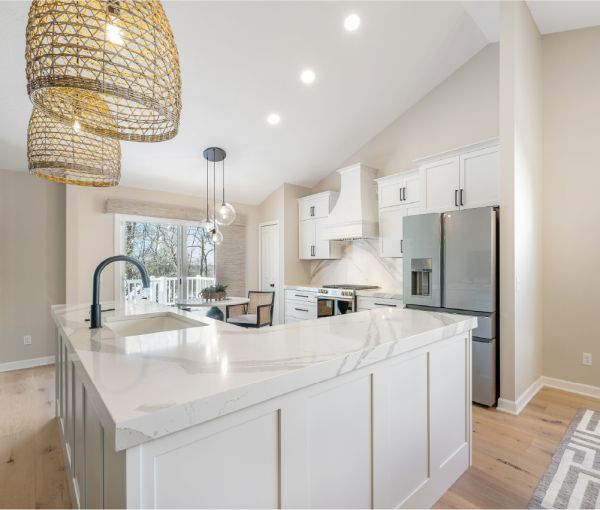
[[516, 406], [582, 389], [26, 363]]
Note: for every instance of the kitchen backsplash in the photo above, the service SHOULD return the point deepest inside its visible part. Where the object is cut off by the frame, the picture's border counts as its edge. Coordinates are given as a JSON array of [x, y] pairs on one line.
[[361, 265]]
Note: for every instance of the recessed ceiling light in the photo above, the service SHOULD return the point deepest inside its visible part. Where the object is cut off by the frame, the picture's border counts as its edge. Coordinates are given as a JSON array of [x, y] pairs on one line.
[[352, 22], [308, 76], [273, 119]]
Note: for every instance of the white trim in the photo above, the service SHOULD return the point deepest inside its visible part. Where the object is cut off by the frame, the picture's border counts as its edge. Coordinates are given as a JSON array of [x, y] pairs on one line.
[[279, 290], [483, 144], [581, 389], [515, 407], [26, 363]]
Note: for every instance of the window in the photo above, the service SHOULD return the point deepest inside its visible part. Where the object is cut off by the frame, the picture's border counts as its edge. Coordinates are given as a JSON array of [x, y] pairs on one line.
[[179, 258]]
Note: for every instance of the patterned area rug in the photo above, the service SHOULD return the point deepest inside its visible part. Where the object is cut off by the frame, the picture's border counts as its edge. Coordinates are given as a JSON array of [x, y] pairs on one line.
[[573, 478]]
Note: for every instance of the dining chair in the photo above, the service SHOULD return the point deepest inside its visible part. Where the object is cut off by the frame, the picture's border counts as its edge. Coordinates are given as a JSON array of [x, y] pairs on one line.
[[258, 312]]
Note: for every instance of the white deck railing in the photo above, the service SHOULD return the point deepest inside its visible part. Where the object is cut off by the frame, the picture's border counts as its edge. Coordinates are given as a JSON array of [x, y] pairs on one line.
[[163, 289]]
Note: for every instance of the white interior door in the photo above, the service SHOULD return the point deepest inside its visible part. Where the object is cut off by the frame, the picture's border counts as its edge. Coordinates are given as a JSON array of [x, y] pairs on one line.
[[269, 265]]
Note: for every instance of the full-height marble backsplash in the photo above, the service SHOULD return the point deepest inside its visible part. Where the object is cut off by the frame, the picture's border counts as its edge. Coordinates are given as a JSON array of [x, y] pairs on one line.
[[360, 265]]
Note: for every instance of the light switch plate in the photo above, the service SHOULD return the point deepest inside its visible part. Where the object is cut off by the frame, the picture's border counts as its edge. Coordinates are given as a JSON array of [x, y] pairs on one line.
[[587, 358], [27, 339]]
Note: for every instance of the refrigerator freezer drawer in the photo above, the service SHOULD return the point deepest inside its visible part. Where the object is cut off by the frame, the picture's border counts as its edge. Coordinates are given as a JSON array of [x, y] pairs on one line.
[[484, 372]]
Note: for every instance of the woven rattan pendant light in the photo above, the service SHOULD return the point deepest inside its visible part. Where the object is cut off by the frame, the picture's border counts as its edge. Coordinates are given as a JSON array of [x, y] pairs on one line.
[[122, 50], [62, 153]]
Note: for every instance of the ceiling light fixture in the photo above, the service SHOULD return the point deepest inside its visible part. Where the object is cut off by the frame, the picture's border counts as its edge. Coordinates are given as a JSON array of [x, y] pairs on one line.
[[123, 51], [225, 213], [308, 76], [62, 153], [273, 119], [352, 22]]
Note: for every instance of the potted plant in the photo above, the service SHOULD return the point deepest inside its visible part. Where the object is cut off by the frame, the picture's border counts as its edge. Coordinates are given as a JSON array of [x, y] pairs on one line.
[[215, 292]]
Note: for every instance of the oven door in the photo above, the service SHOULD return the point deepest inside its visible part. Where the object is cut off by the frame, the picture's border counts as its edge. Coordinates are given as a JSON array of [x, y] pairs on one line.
[[325, 307], [344, 306]]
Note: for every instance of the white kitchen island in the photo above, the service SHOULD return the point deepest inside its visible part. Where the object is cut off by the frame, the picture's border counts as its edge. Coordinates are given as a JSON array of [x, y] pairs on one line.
[[370, 409]]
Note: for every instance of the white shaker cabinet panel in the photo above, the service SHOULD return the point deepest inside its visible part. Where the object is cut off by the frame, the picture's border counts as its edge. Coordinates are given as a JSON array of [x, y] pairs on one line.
[[316, 206], [399, 189], [440, 183], [400, 435], [307, 239], [449, 424], [412, 188], [313, 212], [391, 228], [480, 178]]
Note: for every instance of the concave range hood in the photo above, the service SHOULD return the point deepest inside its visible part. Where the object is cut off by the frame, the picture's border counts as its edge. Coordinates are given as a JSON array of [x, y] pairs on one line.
[[355, 213]]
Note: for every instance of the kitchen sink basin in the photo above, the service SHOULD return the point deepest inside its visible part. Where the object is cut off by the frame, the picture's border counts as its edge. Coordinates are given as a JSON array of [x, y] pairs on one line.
[[156, 323]]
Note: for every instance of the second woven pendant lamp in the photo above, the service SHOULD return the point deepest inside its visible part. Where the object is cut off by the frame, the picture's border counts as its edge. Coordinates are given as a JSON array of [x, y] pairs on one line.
[[121, 50], [64, 153]]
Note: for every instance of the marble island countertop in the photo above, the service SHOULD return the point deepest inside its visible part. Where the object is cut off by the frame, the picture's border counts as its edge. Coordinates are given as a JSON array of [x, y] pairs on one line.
[[155, 384]]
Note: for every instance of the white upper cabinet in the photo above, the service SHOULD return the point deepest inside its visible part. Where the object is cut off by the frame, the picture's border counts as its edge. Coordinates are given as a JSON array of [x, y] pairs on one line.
[[480, 178], [440, 181], [317, 206], [399, 196], [399, 189], [461, 179], [313, 211]]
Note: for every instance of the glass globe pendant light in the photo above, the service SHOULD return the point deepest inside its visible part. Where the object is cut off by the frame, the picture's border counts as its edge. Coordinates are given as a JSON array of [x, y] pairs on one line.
[[225, 213], [213, 154]]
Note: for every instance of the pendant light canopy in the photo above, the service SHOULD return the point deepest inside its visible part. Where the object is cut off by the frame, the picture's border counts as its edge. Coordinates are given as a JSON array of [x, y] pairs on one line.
[[63, 153], [121, 50]]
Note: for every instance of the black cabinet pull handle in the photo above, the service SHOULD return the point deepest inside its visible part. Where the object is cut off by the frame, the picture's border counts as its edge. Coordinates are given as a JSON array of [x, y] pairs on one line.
[[456, 197], [400, 194], [404, 194], [301, 295], [462, 192], [401, 245], [301, 310], [385, 304]]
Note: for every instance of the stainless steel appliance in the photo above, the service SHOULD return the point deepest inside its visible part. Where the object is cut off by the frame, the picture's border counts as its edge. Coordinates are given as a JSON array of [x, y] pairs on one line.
[[451, 265], [338, 299]]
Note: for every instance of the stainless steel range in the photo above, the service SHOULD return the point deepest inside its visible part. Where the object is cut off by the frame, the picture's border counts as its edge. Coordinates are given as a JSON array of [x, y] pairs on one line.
[[338, 299]]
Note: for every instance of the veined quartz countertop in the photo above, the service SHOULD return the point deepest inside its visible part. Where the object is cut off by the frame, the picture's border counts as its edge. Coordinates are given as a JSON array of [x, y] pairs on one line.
[[156, 384]]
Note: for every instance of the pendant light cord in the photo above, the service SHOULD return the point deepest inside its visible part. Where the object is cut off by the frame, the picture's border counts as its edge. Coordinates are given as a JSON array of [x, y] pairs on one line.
[[214, 191], [223, 181], [207, 190]]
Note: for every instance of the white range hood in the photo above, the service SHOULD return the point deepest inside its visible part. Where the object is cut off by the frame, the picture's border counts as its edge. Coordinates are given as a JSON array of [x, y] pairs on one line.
[[355, 213]]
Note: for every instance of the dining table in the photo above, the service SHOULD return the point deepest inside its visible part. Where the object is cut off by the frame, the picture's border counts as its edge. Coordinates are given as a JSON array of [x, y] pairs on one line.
[[215, 306]]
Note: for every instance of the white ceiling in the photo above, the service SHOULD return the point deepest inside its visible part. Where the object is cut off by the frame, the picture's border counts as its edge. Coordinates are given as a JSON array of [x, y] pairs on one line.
[[549, 15], [242, 60]]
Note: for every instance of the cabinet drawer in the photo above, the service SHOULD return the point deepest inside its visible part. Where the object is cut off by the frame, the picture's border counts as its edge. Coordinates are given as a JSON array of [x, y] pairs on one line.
[[300, 310], [301, 296], [369, 303]]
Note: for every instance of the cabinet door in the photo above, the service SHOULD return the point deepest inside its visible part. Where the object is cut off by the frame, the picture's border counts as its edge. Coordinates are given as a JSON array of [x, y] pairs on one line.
[[307, 239], [390, 231], [321, 207], [322, 247], [412, 188], [390, 194], [480, 178], [441, 183]]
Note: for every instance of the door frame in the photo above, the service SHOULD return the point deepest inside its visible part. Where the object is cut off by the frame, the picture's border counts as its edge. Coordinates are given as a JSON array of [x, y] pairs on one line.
[[278, 289]]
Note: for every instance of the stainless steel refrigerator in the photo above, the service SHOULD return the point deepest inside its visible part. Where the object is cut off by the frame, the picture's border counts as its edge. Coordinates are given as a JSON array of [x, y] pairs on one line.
[[451, 265]]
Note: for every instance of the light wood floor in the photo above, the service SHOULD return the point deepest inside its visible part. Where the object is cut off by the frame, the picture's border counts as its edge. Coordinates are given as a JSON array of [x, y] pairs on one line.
[[510, 453], [32, 471]]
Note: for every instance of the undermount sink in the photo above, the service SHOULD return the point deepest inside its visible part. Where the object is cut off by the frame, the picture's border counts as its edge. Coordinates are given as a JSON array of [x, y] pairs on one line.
[[156, 323]]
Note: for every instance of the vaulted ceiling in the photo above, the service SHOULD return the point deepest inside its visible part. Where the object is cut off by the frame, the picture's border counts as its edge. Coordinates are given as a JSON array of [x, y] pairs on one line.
[[241, 61]]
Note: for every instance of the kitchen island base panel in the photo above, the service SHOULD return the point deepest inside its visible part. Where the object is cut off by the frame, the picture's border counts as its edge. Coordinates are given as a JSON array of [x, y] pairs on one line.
[[392, 434]]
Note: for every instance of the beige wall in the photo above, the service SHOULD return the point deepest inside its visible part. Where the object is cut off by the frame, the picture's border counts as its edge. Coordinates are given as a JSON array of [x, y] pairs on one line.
[[90, 235], [521, 200], [32, 263], [461, 110], [571, 184], [282, 206]]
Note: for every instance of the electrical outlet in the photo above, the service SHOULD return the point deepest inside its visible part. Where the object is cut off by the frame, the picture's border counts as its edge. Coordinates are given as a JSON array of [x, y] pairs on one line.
[[27, 339], [587, 358]]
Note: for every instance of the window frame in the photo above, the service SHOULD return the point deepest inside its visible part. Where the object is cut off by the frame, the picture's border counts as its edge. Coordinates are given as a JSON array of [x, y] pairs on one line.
[[119, 247]]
